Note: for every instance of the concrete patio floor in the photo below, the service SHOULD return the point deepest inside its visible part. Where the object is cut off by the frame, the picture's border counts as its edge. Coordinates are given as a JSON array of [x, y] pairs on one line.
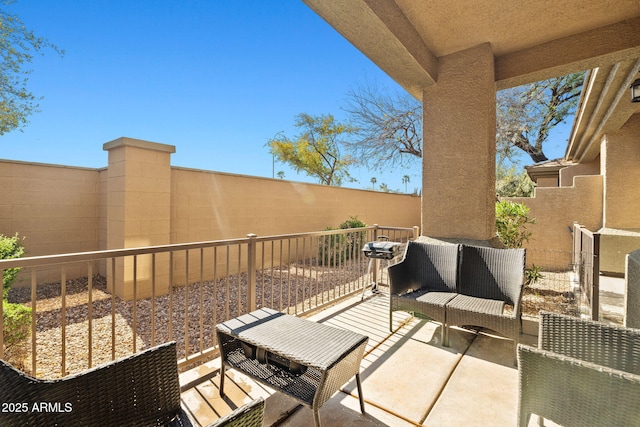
[[408, 377]]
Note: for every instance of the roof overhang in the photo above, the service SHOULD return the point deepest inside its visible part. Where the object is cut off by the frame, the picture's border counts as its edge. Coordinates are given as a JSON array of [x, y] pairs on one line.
[[406, 38], [605, 106]]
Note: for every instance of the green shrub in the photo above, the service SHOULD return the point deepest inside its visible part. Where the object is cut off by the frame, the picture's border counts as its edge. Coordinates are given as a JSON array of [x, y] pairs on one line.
[[511, 223], [17, 322], [335, 249], [10, 247], [352, 222], [532, 275], [16, 318]]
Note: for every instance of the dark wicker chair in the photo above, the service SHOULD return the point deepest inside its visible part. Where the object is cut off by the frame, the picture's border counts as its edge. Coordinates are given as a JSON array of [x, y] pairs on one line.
[[583, 373], [489, 278], [424, 281], [138, 390]]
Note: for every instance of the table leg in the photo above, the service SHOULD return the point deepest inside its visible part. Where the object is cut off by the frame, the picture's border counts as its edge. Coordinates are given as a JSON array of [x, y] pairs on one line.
[[222, 375], [316, 417], [360, 392]]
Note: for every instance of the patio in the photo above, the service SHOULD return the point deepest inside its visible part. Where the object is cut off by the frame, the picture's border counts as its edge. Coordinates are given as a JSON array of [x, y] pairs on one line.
[[408, 378]]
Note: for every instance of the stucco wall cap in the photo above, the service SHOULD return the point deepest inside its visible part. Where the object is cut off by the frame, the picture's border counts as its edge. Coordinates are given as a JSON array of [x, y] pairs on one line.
[[139, 143]]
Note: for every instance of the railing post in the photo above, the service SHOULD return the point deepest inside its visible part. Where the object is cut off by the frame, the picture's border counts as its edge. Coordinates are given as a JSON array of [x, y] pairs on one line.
[[595, 305], [251, 272], [416, 232], [374, 279]]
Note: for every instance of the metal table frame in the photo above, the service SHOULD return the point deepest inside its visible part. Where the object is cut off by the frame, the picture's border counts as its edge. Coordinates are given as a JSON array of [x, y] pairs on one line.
[[330, 356]]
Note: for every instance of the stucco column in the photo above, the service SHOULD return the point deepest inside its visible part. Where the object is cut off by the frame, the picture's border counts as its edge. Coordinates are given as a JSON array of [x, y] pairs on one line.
[[138, 213], [458, 184]]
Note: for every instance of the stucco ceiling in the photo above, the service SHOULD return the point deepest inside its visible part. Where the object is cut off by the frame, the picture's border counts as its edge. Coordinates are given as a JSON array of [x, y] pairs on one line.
[[509, 26], [531, 39]]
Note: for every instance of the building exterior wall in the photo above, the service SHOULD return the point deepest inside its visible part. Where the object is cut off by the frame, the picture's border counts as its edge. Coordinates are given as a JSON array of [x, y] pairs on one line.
[[567, 174], [621, 166], [620, 163], [550, 181], [555, 210]]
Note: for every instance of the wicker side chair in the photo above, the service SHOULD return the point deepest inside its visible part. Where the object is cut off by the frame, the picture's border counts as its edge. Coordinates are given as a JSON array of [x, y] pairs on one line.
[[583, 373], [138, 390], [489, 279], [424, 281]]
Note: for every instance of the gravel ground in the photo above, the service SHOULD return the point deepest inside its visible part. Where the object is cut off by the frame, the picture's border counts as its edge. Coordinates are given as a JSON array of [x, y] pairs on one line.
[[113, 319], [553, 292]]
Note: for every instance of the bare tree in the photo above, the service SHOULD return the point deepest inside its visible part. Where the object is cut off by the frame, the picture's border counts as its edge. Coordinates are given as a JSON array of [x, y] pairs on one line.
[[526, 114], [389, 126]]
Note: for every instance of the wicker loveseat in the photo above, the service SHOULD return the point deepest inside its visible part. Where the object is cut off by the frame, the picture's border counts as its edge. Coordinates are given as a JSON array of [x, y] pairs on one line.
[[583, 373], [139, 390], [459, 285]]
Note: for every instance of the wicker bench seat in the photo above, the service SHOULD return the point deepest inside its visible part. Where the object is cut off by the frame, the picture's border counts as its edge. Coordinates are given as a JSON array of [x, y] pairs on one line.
[[458, 285]]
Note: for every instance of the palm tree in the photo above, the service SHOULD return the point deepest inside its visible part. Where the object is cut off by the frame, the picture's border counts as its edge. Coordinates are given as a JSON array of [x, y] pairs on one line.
[[405, 181], [373, 181]]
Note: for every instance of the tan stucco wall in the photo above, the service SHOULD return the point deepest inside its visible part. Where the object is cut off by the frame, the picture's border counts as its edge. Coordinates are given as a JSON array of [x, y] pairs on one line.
[[56, 208], [567, 174], [556, 209], [63, 209], [211, 206], [621, 166], [551, 181], [620, 162]]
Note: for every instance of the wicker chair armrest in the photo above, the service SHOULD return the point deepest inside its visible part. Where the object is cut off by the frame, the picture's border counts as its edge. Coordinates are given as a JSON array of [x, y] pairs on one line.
[[248, 415], [606, 345], [400, 278], [573, 392]]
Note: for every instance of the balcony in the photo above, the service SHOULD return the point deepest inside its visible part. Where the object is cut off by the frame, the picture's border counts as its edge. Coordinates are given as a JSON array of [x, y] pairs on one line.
[[121, 301]]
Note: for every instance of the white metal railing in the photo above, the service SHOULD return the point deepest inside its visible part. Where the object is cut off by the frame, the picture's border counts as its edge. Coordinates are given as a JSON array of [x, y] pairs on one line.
[[180, 292]]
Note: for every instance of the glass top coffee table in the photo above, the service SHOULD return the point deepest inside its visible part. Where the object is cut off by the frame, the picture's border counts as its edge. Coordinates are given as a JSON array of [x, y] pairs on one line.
[[306, 360]]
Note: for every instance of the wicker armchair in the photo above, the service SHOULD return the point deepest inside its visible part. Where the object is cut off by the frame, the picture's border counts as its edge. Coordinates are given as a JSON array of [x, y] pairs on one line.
[[489, 278], [583, 373], [424, 281], [138, 390]]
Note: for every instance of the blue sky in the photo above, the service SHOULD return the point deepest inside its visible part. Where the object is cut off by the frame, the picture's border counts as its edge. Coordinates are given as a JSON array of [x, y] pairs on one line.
[[217, 79]]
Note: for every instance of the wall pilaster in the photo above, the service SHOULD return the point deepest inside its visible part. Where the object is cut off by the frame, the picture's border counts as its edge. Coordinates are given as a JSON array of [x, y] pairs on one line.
[[138, 213]]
